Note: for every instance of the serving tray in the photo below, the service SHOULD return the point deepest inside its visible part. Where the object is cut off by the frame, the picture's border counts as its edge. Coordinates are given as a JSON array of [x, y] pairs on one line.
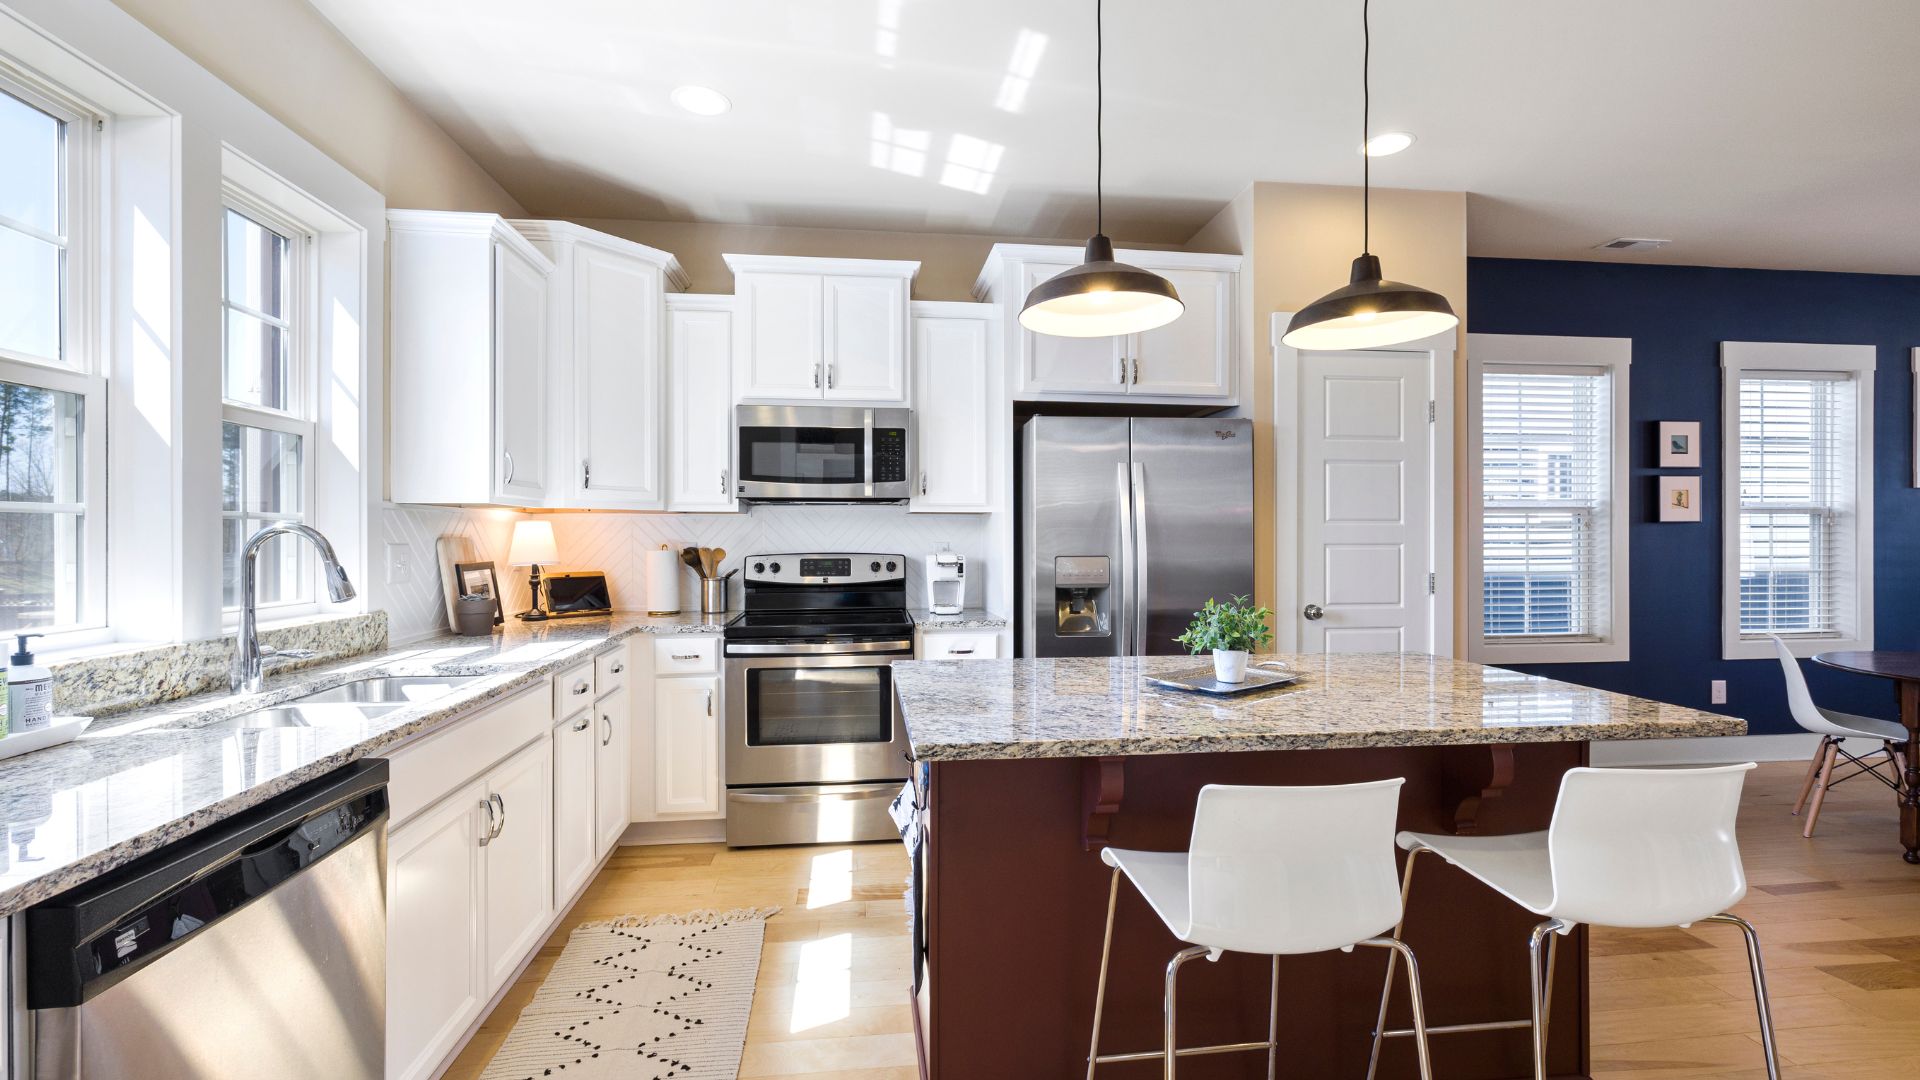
[[63, 729], [1201, 681]]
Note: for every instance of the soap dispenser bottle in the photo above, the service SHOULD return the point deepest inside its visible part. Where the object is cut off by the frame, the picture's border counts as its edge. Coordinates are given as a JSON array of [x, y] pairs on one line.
[[29, 691]]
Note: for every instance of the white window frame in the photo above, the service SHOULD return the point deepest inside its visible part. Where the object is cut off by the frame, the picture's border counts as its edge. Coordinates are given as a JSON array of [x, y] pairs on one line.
[[303, 377], [1738, 359], [1538, 353]]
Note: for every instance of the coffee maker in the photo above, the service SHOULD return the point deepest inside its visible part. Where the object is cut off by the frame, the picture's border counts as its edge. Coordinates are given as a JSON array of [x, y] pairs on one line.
[[946, 582]]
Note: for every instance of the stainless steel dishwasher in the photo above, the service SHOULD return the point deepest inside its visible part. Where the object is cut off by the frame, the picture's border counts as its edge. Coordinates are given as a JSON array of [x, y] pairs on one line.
[[256, 948]]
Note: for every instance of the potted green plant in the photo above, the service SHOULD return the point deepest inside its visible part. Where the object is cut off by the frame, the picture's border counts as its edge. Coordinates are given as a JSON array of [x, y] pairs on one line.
[[1231, 631]]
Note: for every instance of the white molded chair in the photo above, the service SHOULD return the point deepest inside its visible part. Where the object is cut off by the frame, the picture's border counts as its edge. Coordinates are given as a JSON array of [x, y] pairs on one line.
[[1270, 870], [1832, 727], [1626, 847]]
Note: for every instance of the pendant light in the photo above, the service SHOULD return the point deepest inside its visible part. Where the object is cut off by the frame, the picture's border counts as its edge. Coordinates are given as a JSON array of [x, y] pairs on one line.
[[1100, 297], [1371, 311]]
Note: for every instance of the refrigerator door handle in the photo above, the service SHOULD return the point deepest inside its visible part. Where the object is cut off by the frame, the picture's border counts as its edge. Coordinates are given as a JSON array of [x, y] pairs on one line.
[[1123, 580], [1140, 559]]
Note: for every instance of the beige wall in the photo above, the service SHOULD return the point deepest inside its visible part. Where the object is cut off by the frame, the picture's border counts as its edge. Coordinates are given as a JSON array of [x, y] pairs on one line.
[[289, 60], [1300, 240]]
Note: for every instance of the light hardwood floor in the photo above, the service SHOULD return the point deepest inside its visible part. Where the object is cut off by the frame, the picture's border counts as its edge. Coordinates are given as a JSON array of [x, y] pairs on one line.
[[1838, 916]]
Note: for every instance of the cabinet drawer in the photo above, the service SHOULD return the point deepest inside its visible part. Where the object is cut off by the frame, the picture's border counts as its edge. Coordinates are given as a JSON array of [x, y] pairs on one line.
[[422, 772], [610, 671], [951, 646], [572, 690], [676, 655]]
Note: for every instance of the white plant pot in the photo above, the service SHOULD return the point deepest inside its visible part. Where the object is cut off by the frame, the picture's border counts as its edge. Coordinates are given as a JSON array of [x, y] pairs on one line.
[[1230, 665]]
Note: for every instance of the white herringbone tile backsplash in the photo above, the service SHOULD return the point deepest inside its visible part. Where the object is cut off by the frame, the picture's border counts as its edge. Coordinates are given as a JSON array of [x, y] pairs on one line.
[[615, 542]]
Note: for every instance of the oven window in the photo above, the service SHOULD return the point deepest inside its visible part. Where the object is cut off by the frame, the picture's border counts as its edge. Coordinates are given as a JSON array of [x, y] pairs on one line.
[[815, 706], [803, 455]]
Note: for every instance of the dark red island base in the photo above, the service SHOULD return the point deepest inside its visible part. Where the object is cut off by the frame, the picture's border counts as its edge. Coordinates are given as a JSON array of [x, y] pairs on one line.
[[1014, 893]]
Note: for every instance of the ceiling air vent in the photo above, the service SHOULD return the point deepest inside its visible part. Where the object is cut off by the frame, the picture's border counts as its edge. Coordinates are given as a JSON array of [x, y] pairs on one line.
[[1632, 243]]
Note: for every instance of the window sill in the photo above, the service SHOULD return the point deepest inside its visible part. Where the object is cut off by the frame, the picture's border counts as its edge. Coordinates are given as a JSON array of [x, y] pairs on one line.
[[1502, 654], [1803, 648]]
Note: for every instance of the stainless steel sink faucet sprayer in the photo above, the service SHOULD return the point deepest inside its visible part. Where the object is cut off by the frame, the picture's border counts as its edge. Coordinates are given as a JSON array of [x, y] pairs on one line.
[[248, 673]]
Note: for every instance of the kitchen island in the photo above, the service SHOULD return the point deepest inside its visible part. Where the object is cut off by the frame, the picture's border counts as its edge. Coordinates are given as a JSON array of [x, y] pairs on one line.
[[1028, 767]]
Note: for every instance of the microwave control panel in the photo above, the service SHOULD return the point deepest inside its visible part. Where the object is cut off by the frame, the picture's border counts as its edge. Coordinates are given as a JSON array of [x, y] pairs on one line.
[[889, 455]]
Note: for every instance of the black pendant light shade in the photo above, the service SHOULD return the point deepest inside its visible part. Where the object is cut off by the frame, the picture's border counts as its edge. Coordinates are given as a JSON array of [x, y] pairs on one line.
[[1100, 298], [1370, 312]]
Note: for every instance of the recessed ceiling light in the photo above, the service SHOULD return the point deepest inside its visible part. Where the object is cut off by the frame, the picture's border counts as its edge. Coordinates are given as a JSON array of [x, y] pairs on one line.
[[1387, 142], [701, 100]]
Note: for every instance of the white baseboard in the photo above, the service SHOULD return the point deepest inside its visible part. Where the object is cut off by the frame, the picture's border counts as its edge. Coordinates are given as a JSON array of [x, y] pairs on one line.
[[1721, 751], [705, 831]]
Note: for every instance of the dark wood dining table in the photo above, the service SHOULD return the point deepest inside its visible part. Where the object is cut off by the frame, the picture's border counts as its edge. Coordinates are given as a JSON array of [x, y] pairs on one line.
[[1904, 669]]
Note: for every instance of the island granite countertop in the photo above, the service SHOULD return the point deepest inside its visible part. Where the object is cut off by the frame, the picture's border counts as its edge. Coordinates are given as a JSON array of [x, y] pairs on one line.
[[141, 779], [1104, 706]]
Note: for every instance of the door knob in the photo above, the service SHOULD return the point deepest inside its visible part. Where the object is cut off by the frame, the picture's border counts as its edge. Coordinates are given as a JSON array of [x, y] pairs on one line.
[[1314, 612]]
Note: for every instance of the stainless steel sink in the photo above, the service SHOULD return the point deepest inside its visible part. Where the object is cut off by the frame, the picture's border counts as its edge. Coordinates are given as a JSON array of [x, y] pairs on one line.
[[352, 701]]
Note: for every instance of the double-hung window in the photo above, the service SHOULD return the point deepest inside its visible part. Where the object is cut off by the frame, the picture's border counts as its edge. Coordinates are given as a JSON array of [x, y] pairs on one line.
[[52, 397], [1547, 486], [1799, 548], [267, 430]]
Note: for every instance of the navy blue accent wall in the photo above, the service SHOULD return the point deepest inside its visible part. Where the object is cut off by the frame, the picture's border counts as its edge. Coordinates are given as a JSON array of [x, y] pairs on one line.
[[1677, 316]]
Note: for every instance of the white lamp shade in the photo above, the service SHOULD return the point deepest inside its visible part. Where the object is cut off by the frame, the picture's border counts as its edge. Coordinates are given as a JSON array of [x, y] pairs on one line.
[[532, 544]]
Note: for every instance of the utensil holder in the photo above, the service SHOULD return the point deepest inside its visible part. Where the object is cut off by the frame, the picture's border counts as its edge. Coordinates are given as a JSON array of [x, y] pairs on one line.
[[713, 596]]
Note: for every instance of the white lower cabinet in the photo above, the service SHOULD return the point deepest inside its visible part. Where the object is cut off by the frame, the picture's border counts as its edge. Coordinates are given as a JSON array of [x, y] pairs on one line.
[[575, 743], [434, 979], [519, 860], [686, 745], [613, 730]]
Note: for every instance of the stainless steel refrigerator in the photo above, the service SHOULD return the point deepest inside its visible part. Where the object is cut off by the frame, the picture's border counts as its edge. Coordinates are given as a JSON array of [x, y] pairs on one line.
[[1128, 525]]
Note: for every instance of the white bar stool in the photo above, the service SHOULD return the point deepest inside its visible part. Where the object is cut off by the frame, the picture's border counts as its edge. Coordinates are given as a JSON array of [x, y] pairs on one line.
[[1272, 871], [1627, 847], [1832, 727]]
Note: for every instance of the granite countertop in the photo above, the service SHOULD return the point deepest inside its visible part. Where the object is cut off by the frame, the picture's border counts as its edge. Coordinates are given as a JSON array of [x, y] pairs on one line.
[[141, 779], [1103, 706], [969, 619]]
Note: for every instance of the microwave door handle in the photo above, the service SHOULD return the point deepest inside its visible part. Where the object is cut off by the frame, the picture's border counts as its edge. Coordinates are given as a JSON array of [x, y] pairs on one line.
[[1121, 576], [1140, 558], [868, 467]]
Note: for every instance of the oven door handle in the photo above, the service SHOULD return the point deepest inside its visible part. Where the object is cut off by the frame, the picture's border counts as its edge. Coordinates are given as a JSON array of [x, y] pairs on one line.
[[878, 791], [845, 648]]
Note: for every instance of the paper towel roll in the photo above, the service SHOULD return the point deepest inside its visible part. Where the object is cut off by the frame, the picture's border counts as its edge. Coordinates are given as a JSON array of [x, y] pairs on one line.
[[663, 582]]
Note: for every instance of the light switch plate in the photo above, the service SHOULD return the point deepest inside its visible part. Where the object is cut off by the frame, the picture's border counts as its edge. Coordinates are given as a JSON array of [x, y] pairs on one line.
[[399, 563]]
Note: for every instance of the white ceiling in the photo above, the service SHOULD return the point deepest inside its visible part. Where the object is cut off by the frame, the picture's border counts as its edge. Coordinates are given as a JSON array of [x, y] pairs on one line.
[[1772, 133]]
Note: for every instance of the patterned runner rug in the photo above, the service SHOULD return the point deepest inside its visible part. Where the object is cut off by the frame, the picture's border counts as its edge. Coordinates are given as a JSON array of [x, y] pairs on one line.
[[662, 997]]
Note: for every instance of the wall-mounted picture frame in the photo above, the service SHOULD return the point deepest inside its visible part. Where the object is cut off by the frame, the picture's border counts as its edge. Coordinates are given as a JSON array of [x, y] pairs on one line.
[[479, 579], [1679, 498], [1680, 444]]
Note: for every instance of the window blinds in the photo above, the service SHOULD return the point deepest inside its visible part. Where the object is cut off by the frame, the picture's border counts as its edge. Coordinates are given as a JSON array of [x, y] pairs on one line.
[[1545, 510], [1797, 492]]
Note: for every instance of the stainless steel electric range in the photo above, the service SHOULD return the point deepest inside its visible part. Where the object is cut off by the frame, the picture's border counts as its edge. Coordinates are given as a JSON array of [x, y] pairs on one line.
[[815, 750]]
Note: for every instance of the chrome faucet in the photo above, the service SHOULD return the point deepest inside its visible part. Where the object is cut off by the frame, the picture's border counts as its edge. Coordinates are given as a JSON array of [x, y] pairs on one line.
[[248, 674]]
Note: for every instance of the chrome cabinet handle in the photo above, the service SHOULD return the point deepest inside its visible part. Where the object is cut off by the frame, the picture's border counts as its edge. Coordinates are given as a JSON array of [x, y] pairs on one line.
[[617, 669], [581, 687], [709, 703], [1136, 371], [607, 719], [816, 376], [586, 474], [829, 376], [923, 483], [679, 656], [582, 725], [487, 838], [501, 802], [1314, 612], [959, 652], [1123, 371], [723, 481], [509, 456]]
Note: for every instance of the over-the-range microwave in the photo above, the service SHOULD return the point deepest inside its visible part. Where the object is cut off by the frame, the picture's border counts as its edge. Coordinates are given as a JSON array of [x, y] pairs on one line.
[[823, 453]]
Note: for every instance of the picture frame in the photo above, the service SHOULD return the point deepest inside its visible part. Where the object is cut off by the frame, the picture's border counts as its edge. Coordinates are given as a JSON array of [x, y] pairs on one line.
[[1679, 498], [1679, 444], [479, 579]]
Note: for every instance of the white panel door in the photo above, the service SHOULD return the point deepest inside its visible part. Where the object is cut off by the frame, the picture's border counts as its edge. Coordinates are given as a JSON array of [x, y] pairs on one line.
[[1066, 365], [866, 339], [574, 802], [520, 345], [686, 745], [612, 728], [950, 415], [616, 365], [519, 860], [779, 348], [700, 413], [1192, 356], [1366, 503], [433, 932]]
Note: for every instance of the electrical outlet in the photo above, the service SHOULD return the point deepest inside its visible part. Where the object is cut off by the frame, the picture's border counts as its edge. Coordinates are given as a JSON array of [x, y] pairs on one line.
[[1719, 691], [399, 563]]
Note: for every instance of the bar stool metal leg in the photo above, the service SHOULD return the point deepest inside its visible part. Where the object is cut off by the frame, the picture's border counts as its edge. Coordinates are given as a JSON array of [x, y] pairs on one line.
[[1536, 970], [1100, 991], [1386, 988], [1759, 989], [1273, 1023], [1400, 948], [1167, 1049]]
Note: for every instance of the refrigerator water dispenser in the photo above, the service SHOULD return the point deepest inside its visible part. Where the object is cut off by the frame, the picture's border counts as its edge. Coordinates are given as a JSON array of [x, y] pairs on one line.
[[1080, 584]]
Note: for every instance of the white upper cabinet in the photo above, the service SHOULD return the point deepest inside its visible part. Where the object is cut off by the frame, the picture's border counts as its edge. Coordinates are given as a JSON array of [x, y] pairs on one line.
[[700, 403], [608, 366], [821, 329], [468, 322], [953, 367], [1192, 358]]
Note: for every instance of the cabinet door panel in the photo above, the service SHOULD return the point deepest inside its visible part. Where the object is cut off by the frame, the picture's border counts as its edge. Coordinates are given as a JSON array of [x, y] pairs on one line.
[[1064, 365], [779, 348], [866, 338], [700, 420], [519, 861], [520, 347], [617, 381], [573, 802], [686, 745], [433, 932], [1192, 356], [613, 723], [950, 379]]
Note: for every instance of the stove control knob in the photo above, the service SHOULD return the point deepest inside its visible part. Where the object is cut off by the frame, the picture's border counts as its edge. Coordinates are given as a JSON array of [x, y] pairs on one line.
[[759, 568], [775, 567], [892, 566], [874, 566]]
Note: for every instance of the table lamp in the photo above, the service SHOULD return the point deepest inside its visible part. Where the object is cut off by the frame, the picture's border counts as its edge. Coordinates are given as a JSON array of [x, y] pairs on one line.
[[532, 545]]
